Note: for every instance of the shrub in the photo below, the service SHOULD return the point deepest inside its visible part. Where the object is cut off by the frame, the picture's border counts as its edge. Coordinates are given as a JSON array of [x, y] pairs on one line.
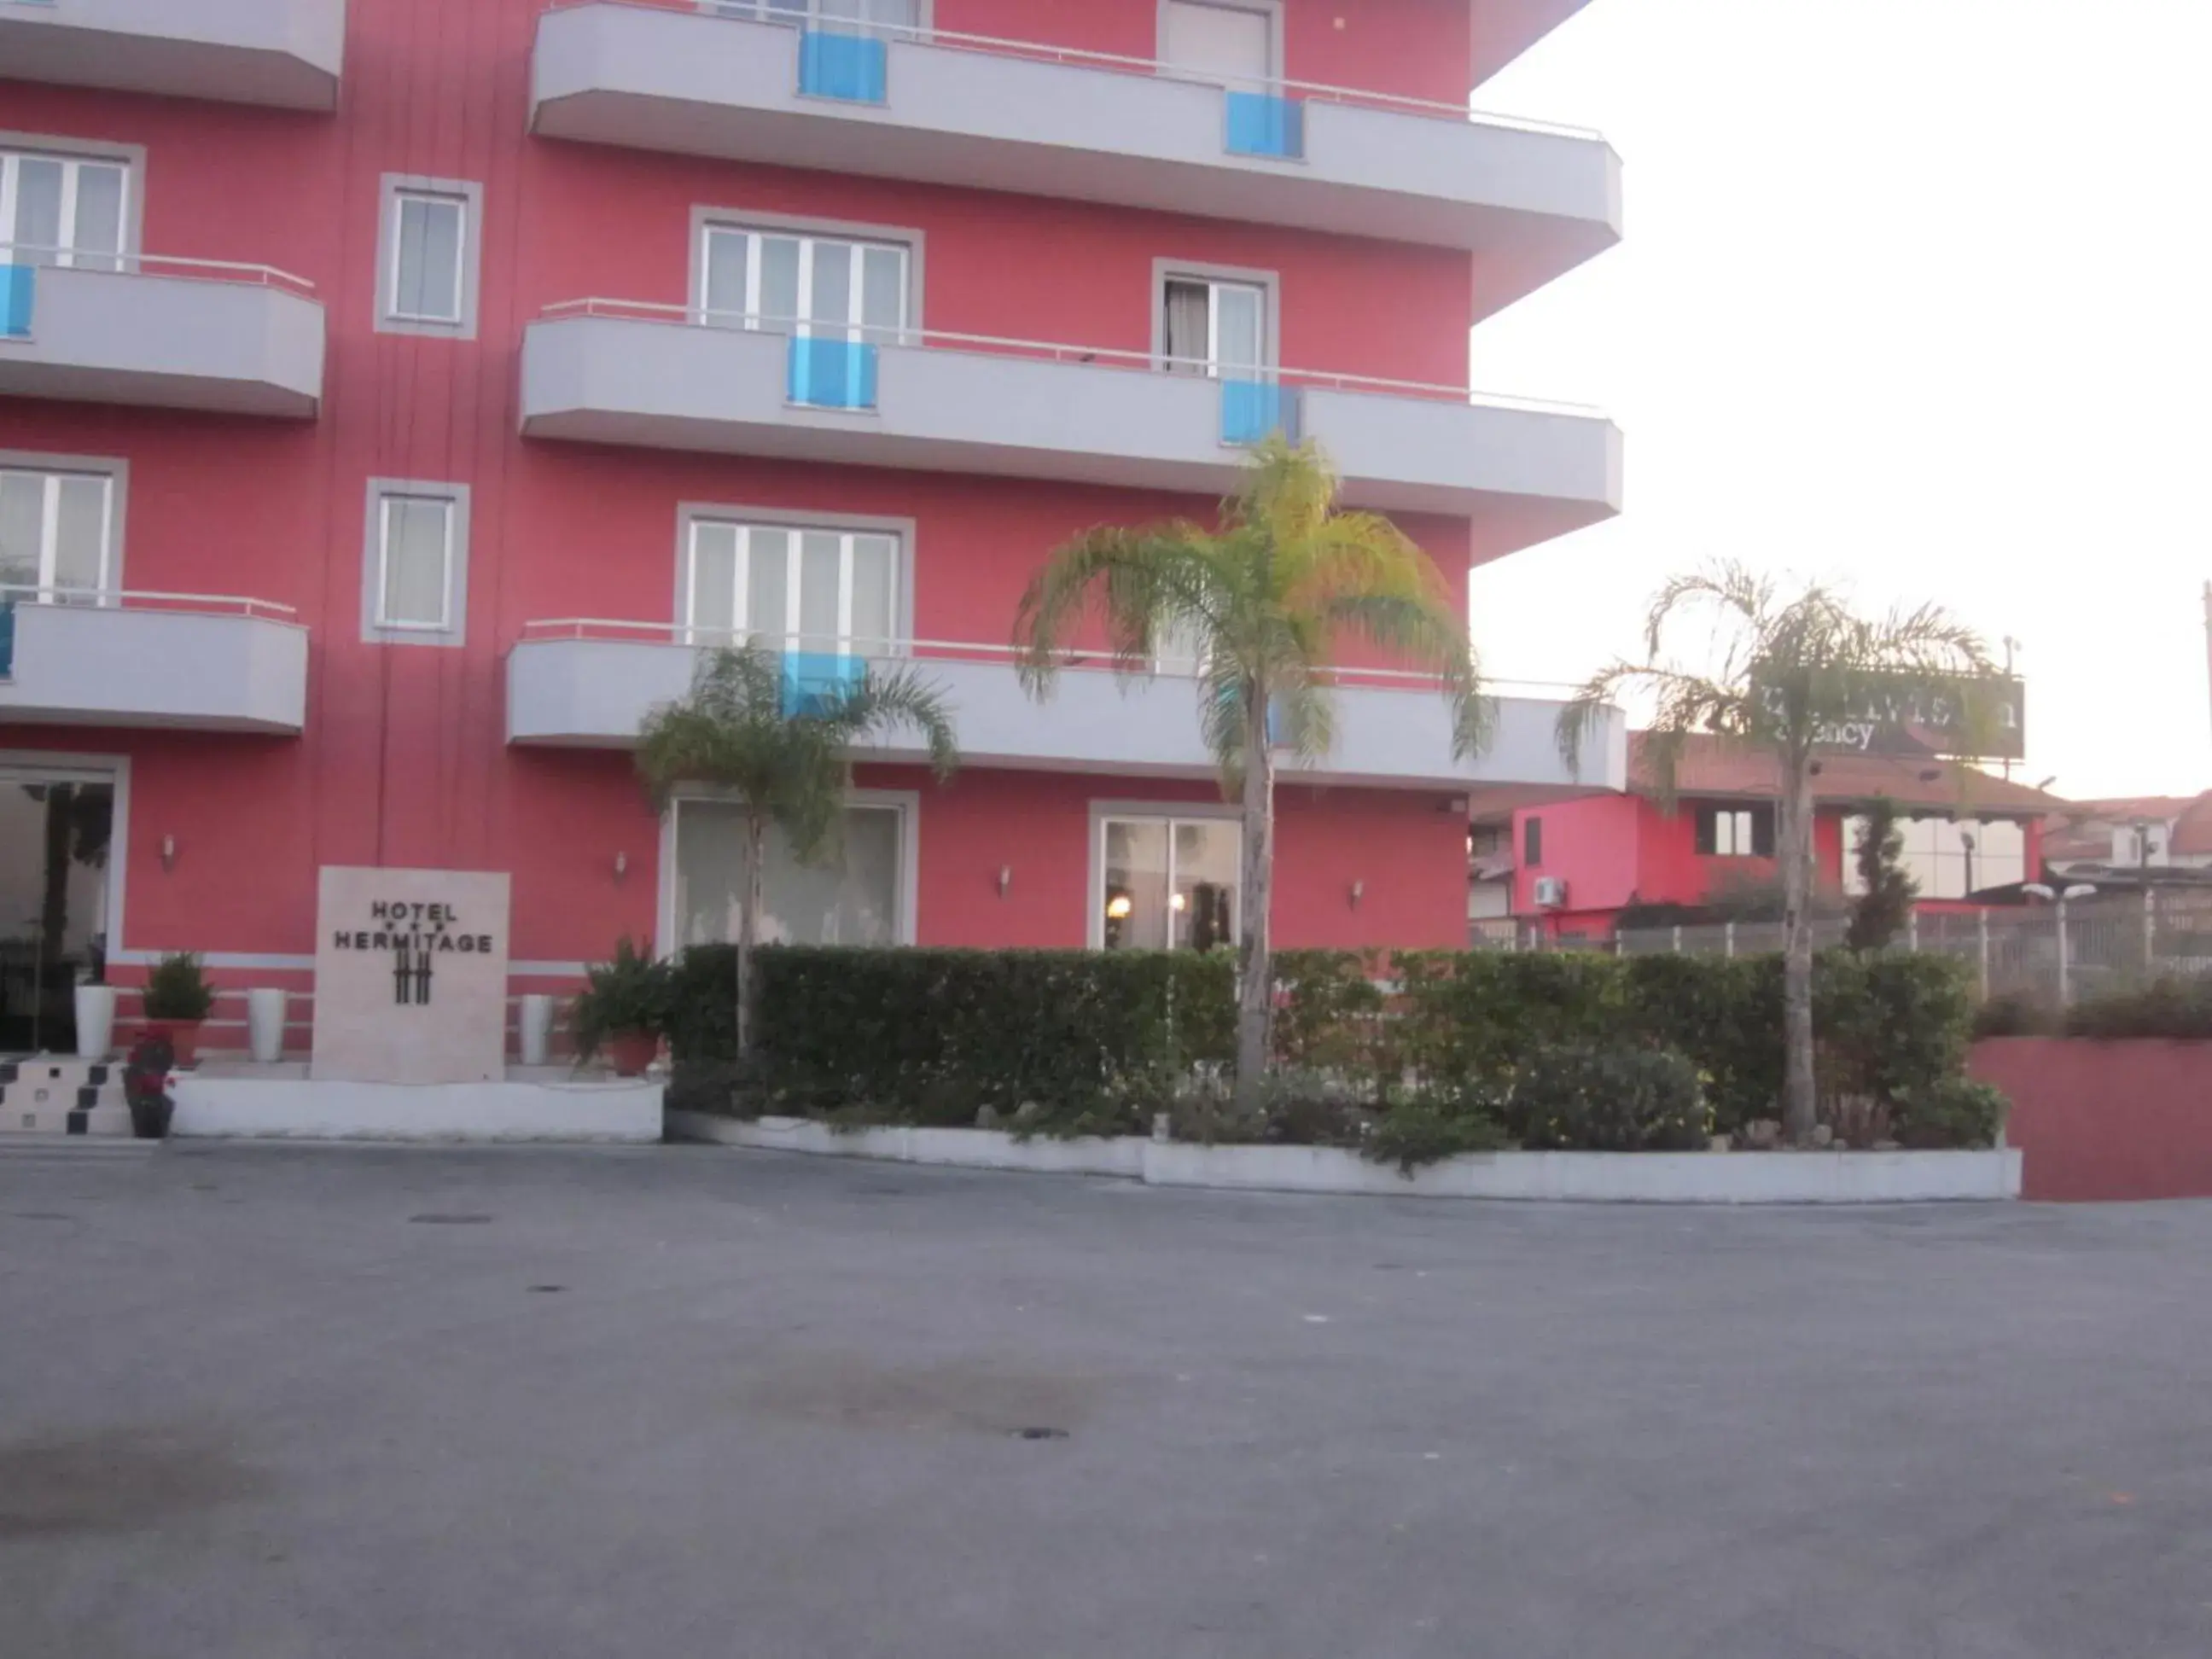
[[2170, 1008], [1725, 1016], [1610, 1099], [1953, 1112], [933, 1036], [1429, 1126], [630, 994], [1479, 1014], [1329, 1012], [2015, 1013], [178, 989]]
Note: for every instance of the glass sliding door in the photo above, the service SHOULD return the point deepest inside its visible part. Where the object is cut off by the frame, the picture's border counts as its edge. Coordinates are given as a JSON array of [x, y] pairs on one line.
[[815, 287], [855, 898], [55, 833], [62, 210], [794, 589], [55, 530], [1167, 883]]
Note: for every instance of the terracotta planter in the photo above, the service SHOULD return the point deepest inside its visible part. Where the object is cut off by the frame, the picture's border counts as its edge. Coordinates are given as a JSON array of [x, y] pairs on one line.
[[631, 1052], [183, 1037]]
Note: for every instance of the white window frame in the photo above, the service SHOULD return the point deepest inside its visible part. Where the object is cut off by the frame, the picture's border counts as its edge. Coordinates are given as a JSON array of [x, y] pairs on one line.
[[1168, 815], [905, 802], [386, 623], [1735, 833], [809, 238], [1271, 10], [376, 544], [397, 189], [807, 14], [1267, 284], [65, 255], [433, 199], [743, 627], [50, 515]]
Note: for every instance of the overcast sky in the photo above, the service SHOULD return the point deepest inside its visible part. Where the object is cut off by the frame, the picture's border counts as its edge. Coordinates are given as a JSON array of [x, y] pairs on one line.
[[1917, 294]]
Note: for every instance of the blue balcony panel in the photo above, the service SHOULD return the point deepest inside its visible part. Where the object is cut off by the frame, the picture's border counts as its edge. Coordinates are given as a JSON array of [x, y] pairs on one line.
[[1260, 124], [832, 374], [814, 681], [1250, 409], [17, 284], [852, 67]]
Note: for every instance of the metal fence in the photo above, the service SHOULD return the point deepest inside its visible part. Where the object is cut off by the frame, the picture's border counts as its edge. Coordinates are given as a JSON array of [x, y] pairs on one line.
[[2057, 952]]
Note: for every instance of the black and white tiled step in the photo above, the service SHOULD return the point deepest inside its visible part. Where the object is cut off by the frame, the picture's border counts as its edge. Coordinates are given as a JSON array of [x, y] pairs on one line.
[[50, 1096]]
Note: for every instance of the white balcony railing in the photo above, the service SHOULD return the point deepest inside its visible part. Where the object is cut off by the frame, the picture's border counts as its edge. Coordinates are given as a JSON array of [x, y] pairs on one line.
[[1042, 51], [590, 682]]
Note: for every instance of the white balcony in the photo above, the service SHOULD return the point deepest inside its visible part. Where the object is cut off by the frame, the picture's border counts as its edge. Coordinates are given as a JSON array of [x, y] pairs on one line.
[[611, 373], [590, 684], [285, 54], [171, 333], [188, 662], [1529, 201]]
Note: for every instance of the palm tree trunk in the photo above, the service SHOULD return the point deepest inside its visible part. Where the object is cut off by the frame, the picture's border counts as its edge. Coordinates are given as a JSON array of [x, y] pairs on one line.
[[1799, 1106], [748, 927], [1255, 998]]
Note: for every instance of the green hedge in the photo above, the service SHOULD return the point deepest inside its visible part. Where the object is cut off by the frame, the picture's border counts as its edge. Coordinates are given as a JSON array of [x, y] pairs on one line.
[[932, 1037], [1095, 1041]]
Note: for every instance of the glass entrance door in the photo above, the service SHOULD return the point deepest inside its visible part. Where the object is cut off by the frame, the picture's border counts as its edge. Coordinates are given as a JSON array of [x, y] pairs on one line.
[[55, 833]]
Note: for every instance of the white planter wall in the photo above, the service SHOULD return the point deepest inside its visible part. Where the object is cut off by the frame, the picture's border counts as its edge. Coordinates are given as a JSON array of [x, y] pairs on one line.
[[1570, 1177]]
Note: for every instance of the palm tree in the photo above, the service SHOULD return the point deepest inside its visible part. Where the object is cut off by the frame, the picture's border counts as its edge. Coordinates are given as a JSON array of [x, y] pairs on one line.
[[752, 726], [1789, 671], [1261, 602]]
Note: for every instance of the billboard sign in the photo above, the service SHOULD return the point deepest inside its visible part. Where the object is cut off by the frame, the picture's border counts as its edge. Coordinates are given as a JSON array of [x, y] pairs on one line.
[[1907, 722]]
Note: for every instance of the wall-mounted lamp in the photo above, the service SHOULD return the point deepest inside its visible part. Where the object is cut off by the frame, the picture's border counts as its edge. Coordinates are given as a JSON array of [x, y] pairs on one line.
[[1118, 907], [1006, 878], [168, 853], [1359, 893], [622, 866]]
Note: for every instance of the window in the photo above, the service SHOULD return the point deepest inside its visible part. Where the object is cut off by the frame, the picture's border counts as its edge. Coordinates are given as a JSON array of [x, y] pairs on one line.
[[415, 578], [1213, 326], [62, 209], [1213, 40], [426, 257], [57, 534], [891, 14], [1532, 842], [817, 287], [858, 897], [794, 588], [1949, 859], [1736, 832], [1166, 883]]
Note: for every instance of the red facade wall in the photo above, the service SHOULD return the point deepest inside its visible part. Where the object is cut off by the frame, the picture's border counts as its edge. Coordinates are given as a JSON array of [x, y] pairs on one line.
[[2105, 1121], [405, 760]]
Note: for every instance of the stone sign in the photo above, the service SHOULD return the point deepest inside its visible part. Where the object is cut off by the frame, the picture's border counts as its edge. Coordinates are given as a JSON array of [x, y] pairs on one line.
[[410, 976]]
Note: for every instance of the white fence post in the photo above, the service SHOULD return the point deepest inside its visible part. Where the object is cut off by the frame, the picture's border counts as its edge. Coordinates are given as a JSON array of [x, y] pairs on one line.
[[1678, 938], [2065, 988], [2150, 933], [1981, 948], [1912, 931], [1728, 939]]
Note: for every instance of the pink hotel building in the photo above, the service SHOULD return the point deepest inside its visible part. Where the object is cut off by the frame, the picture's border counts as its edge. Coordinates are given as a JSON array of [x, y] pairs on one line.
[[394, 394]]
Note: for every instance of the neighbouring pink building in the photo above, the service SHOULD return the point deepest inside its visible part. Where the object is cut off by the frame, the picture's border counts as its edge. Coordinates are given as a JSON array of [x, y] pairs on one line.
[[395, 394], [1578, 865]]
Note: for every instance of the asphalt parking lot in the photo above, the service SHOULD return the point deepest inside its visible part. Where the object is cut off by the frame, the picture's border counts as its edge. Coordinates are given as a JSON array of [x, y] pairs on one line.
[[311, 1403]]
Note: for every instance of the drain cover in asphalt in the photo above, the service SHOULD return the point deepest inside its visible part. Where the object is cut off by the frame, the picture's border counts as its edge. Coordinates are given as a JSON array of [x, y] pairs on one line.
[[1040, 1434]]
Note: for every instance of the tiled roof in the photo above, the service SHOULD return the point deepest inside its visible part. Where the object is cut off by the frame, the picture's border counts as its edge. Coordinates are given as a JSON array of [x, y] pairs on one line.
[[2192, 828], [1708, 766]]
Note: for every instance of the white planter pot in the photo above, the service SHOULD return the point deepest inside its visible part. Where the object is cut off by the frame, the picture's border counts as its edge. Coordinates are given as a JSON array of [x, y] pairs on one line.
[[264, 1025], [95, 1021], [537, 1029]]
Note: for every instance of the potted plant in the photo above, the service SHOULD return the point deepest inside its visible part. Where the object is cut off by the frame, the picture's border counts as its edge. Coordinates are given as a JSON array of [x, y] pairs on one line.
[[177, 998], [624, 1010], [146, 1087]]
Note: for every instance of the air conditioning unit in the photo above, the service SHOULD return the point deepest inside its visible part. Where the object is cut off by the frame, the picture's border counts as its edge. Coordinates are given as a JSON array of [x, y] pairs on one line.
[[1551, 892]]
